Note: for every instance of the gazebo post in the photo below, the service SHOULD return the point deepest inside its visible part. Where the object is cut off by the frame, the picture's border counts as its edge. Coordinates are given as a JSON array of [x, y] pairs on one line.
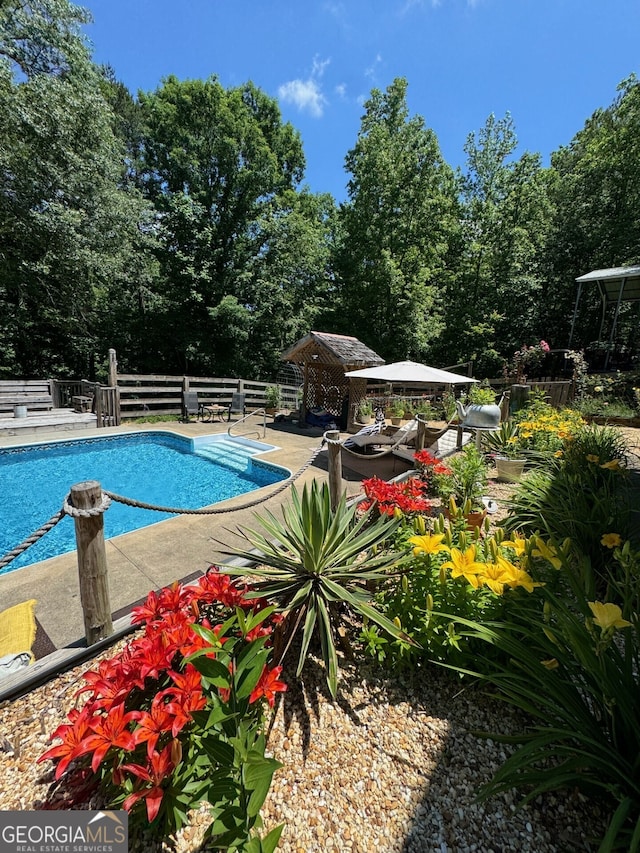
[[303, 403], [575, 314], [615, 322]]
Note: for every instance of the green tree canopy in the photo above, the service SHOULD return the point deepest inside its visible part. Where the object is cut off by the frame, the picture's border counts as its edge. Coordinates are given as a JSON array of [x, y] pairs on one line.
[[396, 230], [215, 163], [492, 300], [596, 222], [69, 231]]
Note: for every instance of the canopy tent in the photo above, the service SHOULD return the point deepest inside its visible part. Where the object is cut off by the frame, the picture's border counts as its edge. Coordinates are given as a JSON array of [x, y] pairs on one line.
[[616, 285], [410, 373]]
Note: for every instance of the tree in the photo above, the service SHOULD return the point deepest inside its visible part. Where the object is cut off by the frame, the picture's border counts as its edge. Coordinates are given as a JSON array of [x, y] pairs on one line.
[[493, 297], [596, 198], [69, 230], [292, 277], [215, 163], [397, 226], [42, 37]]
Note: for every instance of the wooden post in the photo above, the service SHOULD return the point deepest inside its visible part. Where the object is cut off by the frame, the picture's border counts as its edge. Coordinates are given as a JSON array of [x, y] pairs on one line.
[[113, 369], [98, 405], [335, 467], [302, 423], [420, 434], [519, 397], [92, 563]]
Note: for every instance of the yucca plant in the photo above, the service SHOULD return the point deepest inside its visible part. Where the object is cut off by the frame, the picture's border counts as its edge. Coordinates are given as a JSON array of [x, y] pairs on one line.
[[315, 561]]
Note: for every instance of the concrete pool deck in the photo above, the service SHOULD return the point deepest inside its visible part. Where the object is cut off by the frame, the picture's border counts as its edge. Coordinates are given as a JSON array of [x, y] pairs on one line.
[[170, 550]]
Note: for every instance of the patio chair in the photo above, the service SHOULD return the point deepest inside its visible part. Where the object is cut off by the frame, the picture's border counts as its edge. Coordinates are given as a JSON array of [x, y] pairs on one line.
[[237, 405], [447, 441], [190, 404], [363, 443]]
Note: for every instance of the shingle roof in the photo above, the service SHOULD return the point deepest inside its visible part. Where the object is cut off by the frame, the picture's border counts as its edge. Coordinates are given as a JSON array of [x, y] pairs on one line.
[[325, 348]]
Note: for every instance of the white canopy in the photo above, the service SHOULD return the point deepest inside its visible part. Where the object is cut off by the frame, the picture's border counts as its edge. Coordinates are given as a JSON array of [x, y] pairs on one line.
[[409, 373]]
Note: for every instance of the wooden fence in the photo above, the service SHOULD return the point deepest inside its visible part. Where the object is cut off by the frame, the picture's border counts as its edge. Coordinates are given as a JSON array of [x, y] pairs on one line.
[[138, 395], [155, 394], [558, 393]]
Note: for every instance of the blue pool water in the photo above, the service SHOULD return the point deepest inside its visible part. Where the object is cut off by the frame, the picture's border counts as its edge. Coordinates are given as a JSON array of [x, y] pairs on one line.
[[154, 467]]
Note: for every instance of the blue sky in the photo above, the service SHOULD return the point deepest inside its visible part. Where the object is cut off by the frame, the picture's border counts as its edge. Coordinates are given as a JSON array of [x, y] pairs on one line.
[[551, 63]]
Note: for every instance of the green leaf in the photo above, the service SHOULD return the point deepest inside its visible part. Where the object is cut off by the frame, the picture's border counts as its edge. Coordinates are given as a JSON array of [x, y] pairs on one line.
[[271, 840], [219, 750]]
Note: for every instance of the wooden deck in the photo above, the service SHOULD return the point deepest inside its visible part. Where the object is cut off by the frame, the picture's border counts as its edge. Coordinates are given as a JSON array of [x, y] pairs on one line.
[[57, 420]]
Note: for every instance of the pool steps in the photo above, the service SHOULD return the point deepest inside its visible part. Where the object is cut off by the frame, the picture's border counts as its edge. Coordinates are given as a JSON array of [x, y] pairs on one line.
[[227, 453]]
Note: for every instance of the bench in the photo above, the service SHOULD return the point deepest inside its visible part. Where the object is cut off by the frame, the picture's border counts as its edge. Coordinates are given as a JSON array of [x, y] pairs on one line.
[[42, 402], [34, 394]]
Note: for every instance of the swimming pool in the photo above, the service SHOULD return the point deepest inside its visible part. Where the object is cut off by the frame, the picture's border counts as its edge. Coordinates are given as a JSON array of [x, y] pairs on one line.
[[156, 467]]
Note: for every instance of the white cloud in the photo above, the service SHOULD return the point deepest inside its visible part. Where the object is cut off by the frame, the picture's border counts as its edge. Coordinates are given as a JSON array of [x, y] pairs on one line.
[[305, 95], [341, 90], [371, 70], [319, 65]]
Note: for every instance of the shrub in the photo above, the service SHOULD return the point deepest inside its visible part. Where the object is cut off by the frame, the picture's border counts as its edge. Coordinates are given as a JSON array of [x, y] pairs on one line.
[[272, 396], [581, 496], [465, 478], [175, 719], [574, 667], [543, 429]]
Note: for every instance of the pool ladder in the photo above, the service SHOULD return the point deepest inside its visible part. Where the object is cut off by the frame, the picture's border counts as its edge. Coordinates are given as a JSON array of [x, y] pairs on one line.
[[256, 429]]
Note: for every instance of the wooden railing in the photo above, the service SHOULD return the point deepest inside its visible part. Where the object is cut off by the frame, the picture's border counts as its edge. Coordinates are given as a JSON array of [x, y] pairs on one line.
[[157, 394], [105, 402], [558, 393]]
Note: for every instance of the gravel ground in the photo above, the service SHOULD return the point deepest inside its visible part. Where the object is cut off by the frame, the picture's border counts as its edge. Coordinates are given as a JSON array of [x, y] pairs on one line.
[[393, 765]]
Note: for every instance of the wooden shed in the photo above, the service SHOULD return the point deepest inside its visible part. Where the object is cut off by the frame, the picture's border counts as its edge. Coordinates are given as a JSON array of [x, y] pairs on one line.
[[325, 358]]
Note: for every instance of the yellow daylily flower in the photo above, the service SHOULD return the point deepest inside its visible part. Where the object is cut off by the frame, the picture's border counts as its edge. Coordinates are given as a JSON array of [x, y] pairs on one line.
[[518, 544], [607, 616], [463, 564], [429, 544], [591, 457], [548, 552], [521, 578], [497, 575], [611, 540], [612, 465]]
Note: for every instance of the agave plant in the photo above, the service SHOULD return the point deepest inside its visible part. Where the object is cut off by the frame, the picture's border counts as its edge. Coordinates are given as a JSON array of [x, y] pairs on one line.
[[315, 561]]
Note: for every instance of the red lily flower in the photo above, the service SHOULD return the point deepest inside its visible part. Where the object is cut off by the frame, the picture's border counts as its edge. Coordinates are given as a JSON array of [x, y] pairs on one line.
[[175, 597], [152, 724], [160, 765], [107, 731], [155, 656], [108, 684], [186, 694], [147, 612], [72, 736], [268, 685], [216, 587]]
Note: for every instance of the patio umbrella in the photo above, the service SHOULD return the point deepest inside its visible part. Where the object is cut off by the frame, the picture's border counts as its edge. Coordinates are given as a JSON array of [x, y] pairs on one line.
[[409, 373]]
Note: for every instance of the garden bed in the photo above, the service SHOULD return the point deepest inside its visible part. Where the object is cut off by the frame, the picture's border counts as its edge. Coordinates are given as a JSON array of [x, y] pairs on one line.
[[392, 765]]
